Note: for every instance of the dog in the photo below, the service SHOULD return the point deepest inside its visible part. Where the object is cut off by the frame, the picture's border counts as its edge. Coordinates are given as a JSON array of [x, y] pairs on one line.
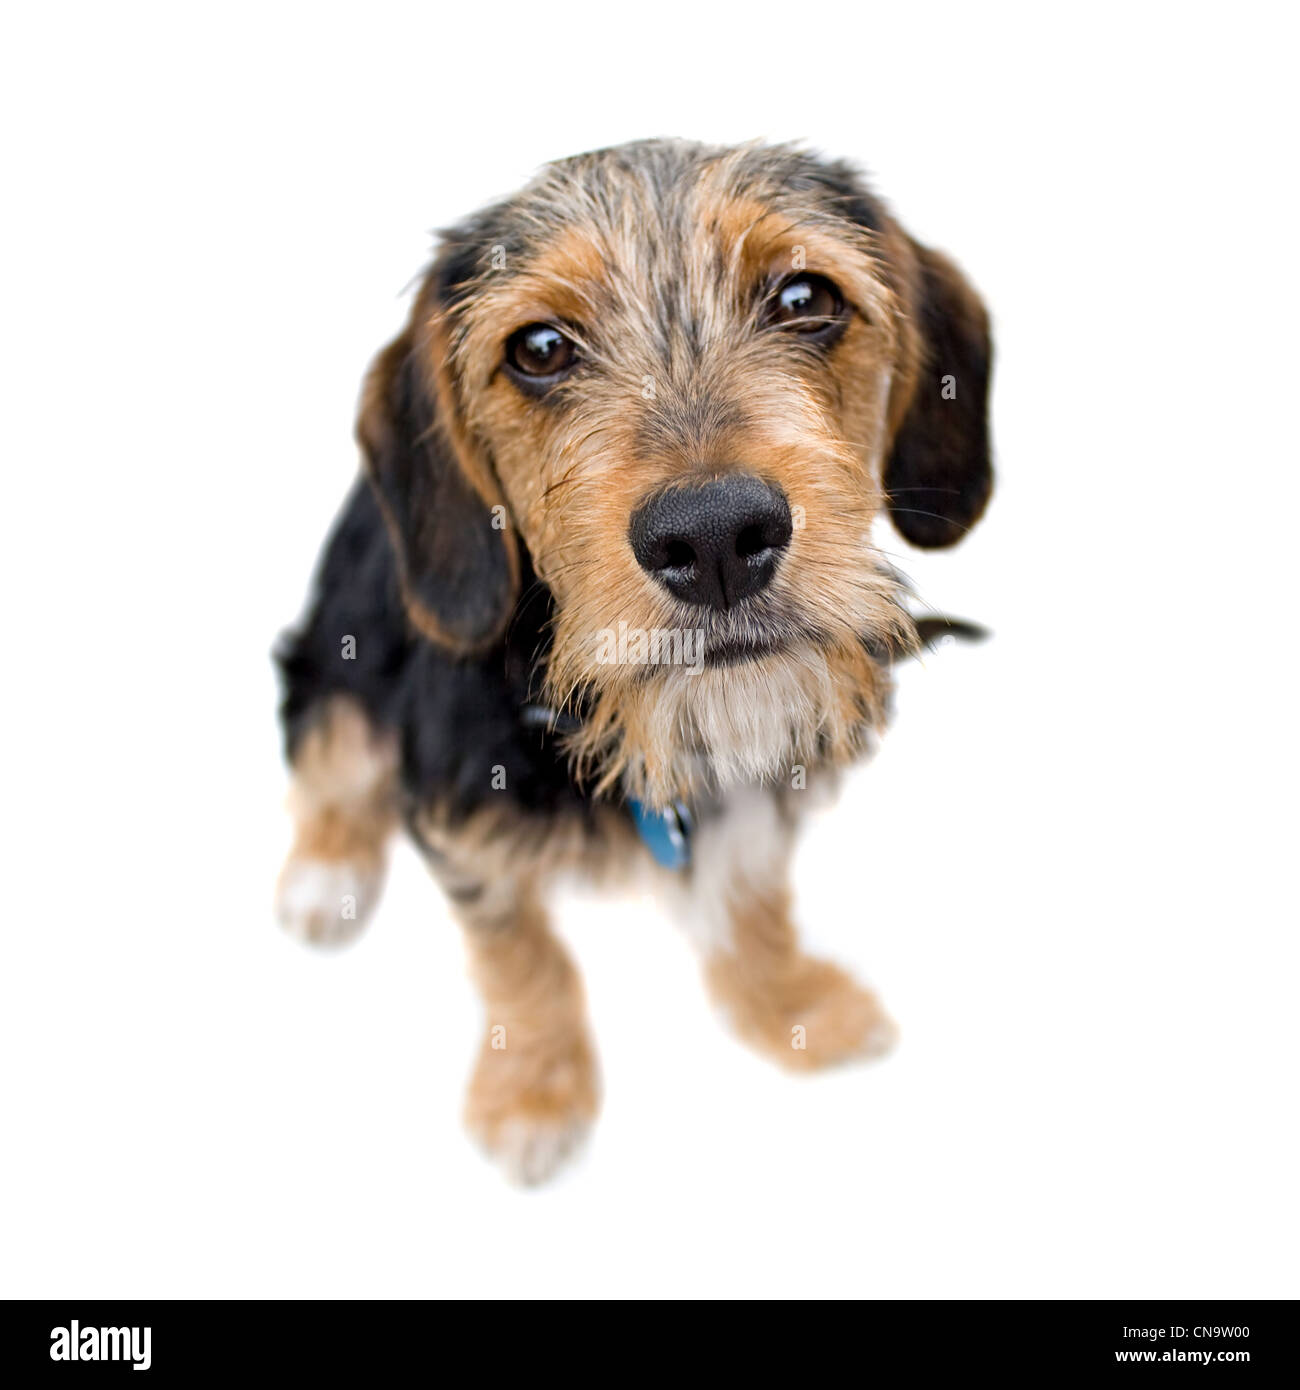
[[606, 595]]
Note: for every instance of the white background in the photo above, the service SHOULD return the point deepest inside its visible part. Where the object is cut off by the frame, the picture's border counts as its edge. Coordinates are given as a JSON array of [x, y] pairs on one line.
[[1070, 871]]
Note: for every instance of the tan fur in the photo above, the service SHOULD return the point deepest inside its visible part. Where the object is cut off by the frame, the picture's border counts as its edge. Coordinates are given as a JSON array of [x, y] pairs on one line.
[[535, 1088], [686, 735], [743, 402], [497, 849], [655, 260], [344, 793], [343, 800], [802, 1012]]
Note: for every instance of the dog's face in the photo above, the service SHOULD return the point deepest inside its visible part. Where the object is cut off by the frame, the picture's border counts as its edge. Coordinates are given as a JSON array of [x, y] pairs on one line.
[[686, 380]]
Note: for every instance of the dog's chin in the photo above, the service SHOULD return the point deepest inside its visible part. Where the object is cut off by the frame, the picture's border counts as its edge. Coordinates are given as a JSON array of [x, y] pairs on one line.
[[757, 711], [738, 653]]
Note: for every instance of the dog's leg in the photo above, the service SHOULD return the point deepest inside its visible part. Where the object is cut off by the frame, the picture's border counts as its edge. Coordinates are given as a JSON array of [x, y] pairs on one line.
[[343, 800], [800, 1011], [535, 1089]]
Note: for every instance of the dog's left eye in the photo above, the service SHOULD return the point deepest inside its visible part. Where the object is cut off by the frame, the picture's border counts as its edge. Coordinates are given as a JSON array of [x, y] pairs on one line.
[[806, 304], [540, 353]]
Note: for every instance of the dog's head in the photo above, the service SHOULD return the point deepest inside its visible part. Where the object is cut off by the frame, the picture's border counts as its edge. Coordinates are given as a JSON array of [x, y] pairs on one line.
[[685, 380]]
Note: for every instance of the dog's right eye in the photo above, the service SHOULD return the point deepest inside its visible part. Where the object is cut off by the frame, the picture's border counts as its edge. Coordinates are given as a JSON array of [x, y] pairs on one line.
[[539, 355]]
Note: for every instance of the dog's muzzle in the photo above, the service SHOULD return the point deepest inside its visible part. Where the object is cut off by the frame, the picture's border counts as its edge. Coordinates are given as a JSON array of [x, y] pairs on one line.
[[714, 543]]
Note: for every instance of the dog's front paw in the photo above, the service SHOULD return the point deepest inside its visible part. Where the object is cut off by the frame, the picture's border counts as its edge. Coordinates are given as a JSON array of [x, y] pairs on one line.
[[327, 902], [531, 1111], [843, 1022], [809, 1014]]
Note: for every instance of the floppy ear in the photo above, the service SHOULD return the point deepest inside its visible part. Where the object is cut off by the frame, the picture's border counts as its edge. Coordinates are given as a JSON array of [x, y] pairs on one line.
[[939, 475], [457, 558]]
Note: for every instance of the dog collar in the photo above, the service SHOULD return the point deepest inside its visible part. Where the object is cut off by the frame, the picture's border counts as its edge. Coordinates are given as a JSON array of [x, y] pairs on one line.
[[666, 834]]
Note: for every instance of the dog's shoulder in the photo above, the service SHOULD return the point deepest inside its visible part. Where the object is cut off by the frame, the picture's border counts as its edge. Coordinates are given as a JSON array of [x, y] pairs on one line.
[[468, 732], [354, 638], [474, 735]]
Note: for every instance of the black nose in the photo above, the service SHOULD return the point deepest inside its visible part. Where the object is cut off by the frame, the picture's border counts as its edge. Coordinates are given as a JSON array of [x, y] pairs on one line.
[[712, 543]]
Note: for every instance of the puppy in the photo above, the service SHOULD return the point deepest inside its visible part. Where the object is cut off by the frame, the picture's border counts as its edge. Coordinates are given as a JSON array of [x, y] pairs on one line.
[[606, 595]]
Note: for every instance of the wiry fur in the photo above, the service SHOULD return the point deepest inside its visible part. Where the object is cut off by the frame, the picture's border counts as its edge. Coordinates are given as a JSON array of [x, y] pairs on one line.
[[481, 568], [682, 383], [685, 735]]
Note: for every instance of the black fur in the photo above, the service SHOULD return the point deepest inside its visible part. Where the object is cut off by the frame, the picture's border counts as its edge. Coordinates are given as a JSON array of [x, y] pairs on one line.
[[452, 560], [459, 719], [355, 594], [844, 183], [419, 525], [940, 473]]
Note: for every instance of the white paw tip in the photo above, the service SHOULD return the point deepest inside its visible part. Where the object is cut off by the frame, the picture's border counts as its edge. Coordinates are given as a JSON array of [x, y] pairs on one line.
[[880, 1038], [531, 1151], [325, 903]]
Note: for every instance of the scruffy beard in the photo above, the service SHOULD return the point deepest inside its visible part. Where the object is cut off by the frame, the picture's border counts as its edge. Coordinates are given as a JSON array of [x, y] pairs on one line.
[[679, 731]]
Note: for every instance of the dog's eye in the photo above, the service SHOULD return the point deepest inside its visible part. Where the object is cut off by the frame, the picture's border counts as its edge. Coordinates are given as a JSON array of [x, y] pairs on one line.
[[540, 352], [806, 304]]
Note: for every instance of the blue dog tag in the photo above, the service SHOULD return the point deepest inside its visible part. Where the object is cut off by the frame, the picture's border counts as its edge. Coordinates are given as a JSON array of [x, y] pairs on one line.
[[667, 833]]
